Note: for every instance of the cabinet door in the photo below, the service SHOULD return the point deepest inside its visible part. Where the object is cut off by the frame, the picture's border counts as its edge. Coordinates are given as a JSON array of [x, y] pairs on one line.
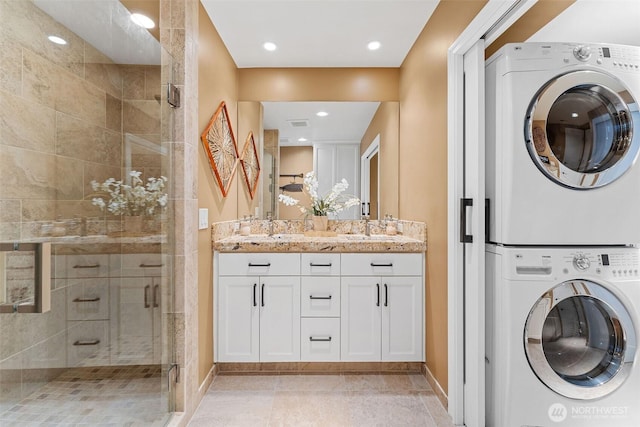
[[132, 320], [279, 319], [238, 319], [360, 318], [402, 319]]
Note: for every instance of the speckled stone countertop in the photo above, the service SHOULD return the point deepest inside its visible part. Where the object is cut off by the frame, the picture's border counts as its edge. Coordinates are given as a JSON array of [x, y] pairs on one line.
[[288, 236]]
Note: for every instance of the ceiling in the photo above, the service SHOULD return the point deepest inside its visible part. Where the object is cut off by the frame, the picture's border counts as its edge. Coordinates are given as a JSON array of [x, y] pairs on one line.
[[319, 33]]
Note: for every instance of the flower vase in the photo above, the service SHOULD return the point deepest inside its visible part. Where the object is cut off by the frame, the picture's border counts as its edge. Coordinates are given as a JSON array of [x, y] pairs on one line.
[[132, 224], [320, 223]]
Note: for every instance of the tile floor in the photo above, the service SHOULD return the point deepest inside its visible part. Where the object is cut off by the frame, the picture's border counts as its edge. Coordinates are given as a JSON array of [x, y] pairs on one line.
[[320, 400], [103, 396]]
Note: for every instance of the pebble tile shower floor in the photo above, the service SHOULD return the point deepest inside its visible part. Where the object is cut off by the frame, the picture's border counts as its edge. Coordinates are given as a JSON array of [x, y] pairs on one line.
[[122, 396], [320, 400]]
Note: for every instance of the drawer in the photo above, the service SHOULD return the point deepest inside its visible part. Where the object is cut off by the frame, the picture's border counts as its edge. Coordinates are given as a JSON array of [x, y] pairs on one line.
[[137, 265], [259, 264], [76, 266], [382, 264], [320, 297], [88, 343], [320, 339], [88, 299], [320, 264]]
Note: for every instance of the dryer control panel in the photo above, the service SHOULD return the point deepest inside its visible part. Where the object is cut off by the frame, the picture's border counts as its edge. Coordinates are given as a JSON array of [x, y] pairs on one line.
[[609, 263]]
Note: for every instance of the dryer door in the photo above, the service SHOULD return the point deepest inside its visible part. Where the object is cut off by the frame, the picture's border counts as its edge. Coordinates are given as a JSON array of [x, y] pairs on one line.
[[580, 129], [580, 340]]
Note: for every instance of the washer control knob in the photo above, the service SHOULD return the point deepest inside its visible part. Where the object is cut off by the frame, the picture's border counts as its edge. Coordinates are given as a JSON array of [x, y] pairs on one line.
[[581, 262], [582, 52]]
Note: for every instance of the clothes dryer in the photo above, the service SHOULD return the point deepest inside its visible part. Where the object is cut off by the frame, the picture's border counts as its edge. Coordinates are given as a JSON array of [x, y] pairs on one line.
[[562, 137], [562, 335]]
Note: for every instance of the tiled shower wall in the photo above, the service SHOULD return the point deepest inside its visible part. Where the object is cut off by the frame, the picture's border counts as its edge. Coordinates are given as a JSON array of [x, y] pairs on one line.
[[65, 113]]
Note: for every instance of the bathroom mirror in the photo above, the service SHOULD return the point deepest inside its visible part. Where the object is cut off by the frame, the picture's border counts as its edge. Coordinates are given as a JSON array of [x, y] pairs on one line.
[[284, 123]]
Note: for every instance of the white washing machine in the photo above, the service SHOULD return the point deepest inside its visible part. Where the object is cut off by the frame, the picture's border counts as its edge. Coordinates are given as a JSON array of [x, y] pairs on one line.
[[563, 136], [562, 334]]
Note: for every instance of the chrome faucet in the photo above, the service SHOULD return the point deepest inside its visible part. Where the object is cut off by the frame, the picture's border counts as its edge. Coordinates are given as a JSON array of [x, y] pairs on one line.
[[367, 225], [270, 219]]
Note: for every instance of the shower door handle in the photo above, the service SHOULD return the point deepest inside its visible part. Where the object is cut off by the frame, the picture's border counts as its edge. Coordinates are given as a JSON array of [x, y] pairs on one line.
[[464, 237]]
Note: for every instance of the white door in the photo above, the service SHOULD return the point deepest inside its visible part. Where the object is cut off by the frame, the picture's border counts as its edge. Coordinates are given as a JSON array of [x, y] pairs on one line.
[[401, 300], [238, 319], [279, 319], [361, 322]]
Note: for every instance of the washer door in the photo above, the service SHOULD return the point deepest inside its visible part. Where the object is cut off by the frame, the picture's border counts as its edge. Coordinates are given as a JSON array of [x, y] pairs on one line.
[[579, 340], [580, 129]]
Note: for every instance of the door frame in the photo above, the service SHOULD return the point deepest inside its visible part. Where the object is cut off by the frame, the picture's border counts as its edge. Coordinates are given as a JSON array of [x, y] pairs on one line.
[[365, 173], [492, 21]]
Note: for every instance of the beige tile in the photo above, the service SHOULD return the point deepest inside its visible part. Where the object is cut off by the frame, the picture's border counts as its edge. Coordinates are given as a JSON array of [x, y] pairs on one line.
[[100, 173], [81, 140], [10, 66], [10, 210], [309, 408], [114, 113], [388, 409], [102, 72], [26, 124], [133, 82], [140, 116], [244, 382], [26, 174], [246, 408], [69, 181], [26, 24], [437, 411], [358, 382], [152, 84], [311, 382]]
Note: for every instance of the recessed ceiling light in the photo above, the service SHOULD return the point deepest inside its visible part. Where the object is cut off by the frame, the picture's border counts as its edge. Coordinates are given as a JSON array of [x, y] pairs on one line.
[[322, 114], [143, 20], [57, 40], [302, 139], [574, 115], [270, 46], [374, 45]]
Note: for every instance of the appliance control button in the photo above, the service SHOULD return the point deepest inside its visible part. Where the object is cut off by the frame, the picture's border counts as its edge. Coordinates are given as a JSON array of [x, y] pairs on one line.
[[581, 262], [599, 60], [582, 53]]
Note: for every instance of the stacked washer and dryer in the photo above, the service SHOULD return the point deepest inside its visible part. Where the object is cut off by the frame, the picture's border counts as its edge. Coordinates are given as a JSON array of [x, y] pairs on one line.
[[562, 261]]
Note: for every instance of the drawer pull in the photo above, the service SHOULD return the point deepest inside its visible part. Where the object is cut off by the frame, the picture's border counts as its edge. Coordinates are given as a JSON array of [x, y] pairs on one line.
[[87, 266], [143, 265], [146, 296], [386, 295], [29, 267], [96, 299], [327, 339], [312, 297], [267, 264], [87, 342], [311, 264], [255, 303], [374, 264]]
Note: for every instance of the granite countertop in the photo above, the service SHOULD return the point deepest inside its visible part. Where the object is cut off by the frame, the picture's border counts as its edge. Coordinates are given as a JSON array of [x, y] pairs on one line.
[[294, 236], [302, 243]]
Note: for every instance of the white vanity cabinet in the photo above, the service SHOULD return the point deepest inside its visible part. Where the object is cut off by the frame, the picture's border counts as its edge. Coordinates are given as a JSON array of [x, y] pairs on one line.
[[258, 307], [320, 307], [382, 307]]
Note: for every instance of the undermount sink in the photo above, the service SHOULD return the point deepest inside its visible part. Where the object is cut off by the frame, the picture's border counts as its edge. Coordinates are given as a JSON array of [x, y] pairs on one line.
[[365, 237]]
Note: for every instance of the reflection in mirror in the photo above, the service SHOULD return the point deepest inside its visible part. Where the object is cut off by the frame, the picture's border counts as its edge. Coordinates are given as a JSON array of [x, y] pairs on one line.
[[297, 140]]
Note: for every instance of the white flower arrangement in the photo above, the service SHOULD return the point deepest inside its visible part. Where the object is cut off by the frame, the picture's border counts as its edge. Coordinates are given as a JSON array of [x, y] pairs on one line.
[[333, 202], [135, 199]]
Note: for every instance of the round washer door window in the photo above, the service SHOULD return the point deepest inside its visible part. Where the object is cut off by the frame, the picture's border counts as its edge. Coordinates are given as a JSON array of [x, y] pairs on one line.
[[580, 340], [580, 129]]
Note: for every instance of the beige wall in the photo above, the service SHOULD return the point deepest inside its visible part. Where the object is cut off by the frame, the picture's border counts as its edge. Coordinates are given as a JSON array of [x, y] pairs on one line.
[[294, 160], [249, 120], [385, 123], [318, 84], [217, 81], [423, 160]]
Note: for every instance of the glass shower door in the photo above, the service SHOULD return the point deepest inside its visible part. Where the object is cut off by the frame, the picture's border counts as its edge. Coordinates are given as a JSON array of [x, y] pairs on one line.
[[86, 290]]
